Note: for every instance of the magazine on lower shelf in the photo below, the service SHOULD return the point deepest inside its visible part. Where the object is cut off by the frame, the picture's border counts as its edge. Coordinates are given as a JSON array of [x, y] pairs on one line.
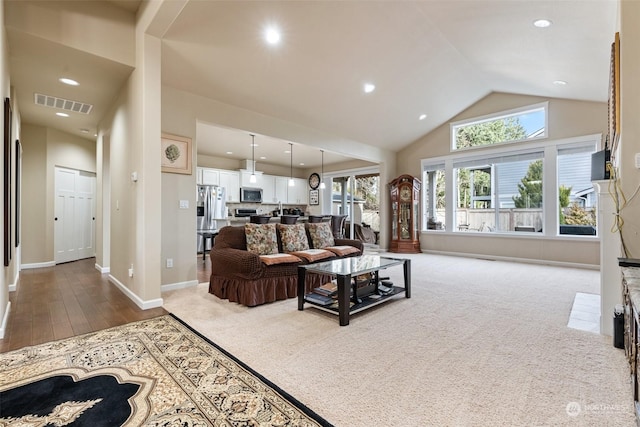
[[328, 289], [319, 299]]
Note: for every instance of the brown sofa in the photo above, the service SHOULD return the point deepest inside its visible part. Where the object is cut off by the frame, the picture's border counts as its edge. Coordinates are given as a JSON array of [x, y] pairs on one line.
[[241, 276]]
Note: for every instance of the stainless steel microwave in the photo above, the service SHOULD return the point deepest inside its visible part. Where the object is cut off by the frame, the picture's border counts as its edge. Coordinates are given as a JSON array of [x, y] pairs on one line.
[[250, 195]]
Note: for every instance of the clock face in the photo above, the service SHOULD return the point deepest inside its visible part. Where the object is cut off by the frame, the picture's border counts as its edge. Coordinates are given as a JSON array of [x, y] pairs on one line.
[[405, 194], [314, 181]]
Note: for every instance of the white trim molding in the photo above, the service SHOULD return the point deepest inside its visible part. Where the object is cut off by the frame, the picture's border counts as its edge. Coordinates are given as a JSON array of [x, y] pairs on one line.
[[102, 270], [178, 285], [14, 286], [37, 265], [144, 305], [5, 320]]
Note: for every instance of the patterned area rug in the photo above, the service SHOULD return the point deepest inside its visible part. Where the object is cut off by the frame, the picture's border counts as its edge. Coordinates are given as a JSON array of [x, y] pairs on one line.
[[156, 372]]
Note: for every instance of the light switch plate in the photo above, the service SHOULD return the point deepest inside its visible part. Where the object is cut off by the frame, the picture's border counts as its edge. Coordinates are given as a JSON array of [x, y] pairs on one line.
[[184, 204]]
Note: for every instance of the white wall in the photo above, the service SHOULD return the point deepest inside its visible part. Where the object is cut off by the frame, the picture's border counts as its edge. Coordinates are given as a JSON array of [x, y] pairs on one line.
[[630, 109], [9, 273]]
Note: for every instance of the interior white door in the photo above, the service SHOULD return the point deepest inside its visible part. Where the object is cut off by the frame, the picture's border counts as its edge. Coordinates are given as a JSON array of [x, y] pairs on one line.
[[74, 229]]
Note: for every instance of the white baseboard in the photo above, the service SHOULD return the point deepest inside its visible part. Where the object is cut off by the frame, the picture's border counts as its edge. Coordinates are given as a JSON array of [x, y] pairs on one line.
[[5, 320], [144, 305], [14, 286], [179, 285], [38, 265], [514, 259], [102, 270]]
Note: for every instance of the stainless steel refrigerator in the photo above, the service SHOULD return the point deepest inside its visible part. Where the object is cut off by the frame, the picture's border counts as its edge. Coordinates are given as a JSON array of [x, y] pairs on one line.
[[211, 210]]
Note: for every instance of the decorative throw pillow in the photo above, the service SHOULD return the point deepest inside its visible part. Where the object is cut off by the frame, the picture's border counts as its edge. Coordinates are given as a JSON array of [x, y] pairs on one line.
[[261, 238], [321, 235], [293, 237]]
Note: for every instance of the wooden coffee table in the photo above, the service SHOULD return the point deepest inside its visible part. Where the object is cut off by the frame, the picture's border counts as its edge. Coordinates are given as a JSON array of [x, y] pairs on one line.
[[346, 268]]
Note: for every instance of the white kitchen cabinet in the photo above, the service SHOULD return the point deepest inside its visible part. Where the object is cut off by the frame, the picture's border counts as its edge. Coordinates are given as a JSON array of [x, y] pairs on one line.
[[230, 180], [281, 189], [269, 189], [199, 176], [210, 176], [298, 194]]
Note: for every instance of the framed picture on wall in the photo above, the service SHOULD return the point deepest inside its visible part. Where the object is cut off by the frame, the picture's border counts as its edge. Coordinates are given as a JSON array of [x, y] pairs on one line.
[[176, 154], [314, 197], [614, 95], [8, 232]]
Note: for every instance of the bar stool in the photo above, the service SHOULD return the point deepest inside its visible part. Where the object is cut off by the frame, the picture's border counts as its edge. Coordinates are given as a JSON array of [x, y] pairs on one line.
[[337, 225], [288, 219], [259, 219], [315, 218]]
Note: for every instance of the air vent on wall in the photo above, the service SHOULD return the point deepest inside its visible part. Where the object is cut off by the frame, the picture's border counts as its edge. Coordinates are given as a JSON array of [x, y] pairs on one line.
[[63, 104]]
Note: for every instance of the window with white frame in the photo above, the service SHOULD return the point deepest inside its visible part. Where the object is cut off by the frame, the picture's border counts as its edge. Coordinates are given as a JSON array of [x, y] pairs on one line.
[[500, 193], [521, 124], [576, 195], [435, 202], [511, 189]]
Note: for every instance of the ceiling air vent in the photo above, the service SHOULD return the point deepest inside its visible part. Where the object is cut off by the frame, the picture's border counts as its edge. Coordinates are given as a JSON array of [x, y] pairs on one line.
[[62, 104]]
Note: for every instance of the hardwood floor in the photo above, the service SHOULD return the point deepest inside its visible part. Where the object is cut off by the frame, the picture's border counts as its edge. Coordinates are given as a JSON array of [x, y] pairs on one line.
[[70, 299]]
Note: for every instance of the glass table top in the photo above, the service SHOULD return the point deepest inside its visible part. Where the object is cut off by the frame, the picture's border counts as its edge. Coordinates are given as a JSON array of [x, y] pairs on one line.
[[353, 265]]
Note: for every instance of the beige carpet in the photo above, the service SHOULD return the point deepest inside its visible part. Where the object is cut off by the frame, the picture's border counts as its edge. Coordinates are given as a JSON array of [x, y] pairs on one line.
[[480, 343]]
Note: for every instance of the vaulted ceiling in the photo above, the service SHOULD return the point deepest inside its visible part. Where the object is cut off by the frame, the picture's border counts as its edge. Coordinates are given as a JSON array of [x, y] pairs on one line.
[[424, 57]]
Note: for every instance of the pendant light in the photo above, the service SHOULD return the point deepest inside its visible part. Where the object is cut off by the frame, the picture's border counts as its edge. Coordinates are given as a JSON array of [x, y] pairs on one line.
[[291, 183], [322, 186], [252, 178]]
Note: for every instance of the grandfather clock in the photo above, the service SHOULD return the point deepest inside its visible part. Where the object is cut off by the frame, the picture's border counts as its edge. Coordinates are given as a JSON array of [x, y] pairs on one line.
[[405, 214]]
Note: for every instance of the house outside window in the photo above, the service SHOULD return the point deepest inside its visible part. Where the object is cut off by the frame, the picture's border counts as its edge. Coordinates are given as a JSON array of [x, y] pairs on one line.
[[502, 193], [521, 124]]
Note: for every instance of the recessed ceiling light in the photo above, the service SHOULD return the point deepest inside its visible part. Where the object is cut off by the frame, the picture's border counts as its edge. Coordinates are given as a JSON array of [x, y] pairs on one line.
[[84, 130], [253, 145], [542, 23], [369, 87], [229, 152], [559, 82], [263, 158], [422, 117], [67, 81], [62, 114], [301, 164], [272, 35], [287, 152]]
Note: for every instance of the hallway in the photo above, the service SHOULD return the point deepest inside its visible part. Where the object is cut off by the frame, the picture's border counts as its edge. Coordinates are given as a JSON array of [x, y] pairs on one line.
[[70, 299]]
